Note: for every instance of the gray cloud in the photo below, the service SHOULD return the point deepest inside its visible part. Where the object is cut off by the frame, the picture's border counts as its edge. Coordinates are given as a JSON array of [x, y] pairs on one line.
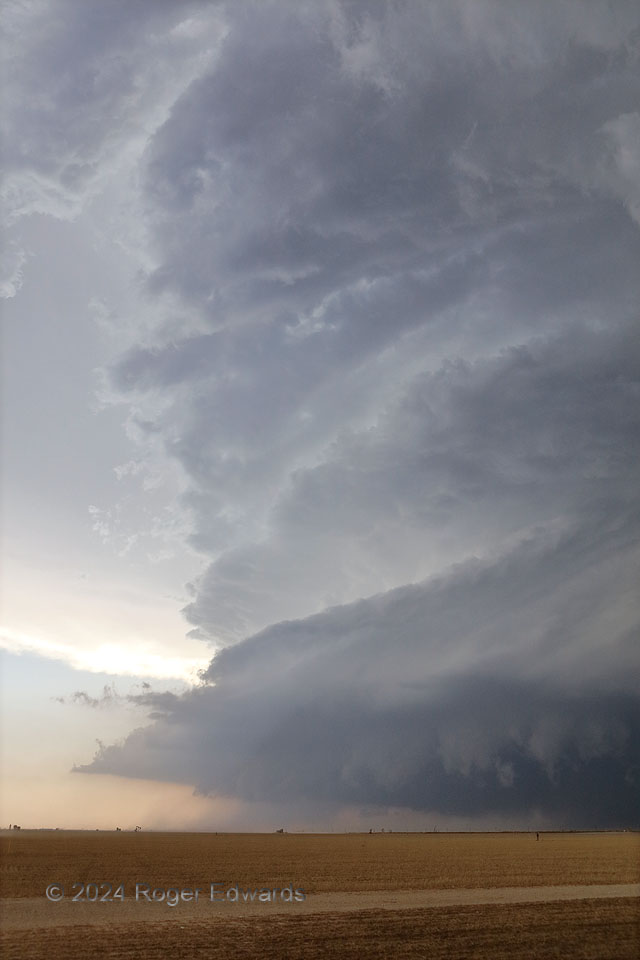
[[466, 458], [494, 689], [83, 90], [341, 236], [400, 245]]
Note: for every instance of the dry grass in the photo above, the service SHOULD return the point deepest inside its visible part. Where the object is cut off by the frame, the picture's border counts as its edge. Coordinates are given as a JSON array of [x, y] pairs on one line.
[[579, 930], [352, 862]]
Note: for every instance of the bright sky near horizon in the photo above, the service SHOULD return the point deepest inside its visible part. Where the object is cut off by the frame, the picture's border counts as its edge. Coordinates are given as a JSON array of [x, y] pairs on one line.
[[320, 419]]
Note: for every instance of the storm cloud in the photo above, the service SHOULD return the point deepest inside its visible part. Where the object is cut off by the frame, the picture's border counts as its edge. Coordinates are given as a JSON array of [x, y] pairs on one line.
[[502, 687], [385, 324]]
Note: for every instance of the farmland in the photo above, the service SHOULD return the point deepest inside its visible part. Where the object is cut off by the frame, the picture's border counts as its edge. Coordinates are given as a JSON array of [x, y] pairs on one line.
[[367, 896]]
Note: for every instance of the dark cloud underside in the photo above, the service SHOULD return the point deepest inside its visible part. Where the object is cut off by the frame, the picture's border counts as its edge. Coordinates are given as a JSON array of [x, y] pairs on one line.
[[395, 248]]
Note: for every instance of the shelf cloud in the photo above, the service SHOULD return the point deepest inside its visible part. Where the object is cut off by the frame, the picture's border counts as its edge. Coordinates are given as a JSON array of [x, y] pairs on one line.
[[385, 325]]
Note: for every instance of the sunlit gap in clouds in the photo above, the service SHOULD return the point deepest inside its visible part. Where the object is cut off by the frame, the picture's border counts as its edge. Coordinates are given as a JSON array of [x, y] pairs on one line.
[[132, 658]]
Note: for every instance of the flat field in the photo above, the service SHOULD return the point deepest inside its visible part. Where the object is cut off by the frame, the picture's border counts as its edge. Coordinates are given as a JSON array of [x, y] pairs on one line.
[[569, 895], [318, 863]]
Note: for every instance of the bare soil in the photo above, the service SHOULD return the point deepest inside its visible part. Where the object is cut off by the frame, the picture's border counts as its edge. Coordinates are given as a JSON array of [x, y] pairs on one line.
[[597, 929], [324, 863], [38, 912], [406, 896]]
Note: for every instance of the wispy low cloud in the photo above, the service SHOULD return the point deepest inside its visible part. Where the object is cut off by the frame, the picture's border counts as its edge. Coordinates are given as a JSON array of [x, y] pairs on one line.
[[108, 698]]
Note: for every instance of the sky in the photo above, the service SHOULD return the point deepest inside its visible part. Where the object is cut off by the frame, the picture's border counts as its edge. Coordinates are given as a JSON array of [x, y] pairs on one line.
[[321, 414]]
